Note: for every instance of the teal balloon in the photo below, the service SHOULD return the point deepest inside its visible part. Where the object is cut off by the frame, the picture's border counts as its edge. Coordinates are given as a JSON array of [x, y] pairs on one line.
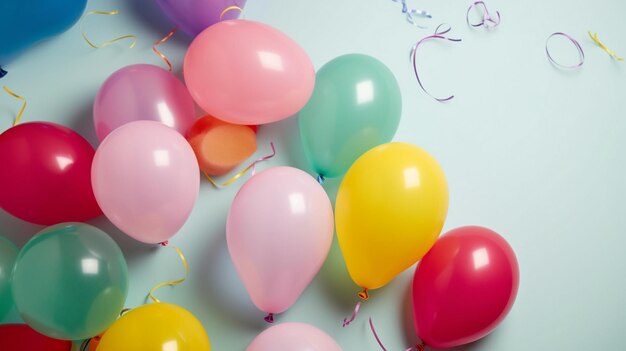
[[355, 106], [70, 281], [8, 253]]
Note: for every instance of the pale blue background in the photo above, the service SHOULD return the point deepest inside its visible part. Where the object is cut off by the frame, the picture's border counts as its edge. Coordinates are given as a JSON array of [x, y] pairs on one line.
[[534, 152]]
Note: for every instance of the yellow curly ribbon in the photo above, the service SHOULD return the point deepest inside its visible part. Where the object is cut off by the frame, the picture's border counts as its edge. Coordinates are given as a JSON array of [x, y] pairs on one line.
[[19, 115], [173, 282], [238, 175], [230, 8], [595, 39], [159, 42], [82, 31]]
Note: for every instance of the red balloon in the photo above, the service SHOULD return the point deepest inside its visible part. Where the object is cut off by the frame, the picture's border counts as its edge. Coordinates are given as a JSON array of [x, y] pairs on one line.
[[46, 174], [21, 337], [464, 287]]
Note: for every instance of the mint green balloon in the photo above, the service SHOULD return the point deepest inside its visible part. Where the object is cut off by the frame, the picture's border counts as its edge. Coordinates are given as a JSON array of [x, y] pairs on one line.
[[355, 106], [8, 253], [70, 281]]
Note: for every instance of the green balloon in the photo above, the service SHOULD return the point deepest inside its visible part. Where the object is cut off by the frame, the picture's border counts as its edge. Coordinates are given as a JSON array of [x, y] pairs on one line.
[[70, 281], [355, 106], [8, 253]]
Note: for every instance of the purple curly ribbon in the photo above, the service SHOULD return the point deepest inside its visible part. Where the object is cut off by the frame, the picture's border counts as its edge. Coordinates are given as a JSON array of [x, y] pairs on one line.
[[438, 35], [581, 53], [418, 347], [488, 21]]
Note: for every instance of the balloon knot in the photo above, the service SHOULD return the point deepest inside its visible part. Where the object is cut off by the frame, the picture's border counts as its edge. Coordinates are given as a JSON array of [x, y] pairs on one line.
[[320, 179], [269, 318], [364, 295], [420, 347], [164, 243], [2, 72]]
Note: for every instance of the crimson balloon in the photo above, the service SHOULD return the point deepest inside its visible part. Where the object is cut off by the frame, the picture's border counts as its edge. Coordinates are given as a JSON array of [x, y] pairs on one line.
[[21, 337], [46, 174], [464, 287]]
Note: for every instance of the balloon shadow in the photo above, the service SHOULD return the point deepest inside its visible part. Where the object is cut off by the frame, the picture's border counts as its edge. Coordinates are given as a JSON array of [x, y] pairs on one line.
[[336, 282], [221, 283], [81, 122], [149, 13]]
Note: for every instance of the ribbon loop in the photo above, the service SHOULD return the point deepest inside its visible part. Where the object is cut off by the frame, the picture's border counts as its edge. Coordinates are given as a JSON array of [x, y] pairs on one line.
[[252, 167], [173, 282], [487, 21], [19, 97], [107, 43], [581, 53], [439, 34]]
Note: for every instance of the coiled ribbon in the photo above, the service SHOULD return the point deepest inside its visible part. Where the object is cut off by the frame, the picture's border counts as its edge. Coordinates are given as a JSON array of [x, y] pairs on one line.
[[252, 167], [364, 296], [413, 14], [159, 42], [82, 31], [595, 39], [581, 53], [488, 21], [173, 282], [438, 35], [19, 115]]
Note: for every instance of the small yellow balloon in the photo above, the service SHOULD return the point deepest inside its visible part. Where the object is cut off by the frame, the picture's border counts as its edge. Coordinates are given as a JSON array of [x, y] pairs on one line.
[[390, 209], [156, 327]]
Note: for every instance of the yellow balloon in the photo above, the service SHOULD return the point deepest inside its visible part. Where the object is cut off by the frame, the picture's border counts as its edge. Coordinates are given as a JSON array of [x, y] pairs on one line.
[[390, 209], [156, 327]]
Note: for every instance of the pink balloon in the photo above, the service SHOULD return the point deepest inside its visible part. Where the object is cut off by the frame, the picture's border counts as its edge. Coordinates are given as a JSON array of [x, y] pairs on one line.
[[279, 232], [142, 92], [293, 337], [464, 287], [246, 72], [146, 180]]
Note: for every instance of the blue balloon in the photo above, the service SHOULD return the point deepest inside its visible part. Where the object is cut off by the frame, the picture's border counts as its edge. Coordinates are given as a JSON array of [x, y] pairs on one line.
[[26, 22]]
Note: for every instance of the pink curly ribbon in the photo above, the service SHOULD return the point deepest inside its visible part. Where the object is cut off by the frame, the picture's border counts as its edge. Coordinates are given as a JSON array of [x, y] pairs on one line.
[[438, 35], [581, 53], [488, 21], [346, 322]]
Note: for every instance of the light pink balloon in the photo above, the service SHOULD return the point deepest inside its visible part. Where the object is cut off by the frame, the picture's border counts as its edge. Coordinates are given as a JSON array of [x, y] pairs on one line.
[[246, 72], [279, 232], [142, 92], [293, 337], [146, 179]]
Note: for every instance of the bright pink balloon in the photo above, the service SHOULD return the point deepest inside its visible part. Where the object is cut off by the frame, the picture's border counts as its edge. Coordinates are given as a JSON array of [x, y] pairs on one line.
[[146, 179], [45, 174], [279, 232], [142, 92], [464, 287], [293, 337], [246, 72]]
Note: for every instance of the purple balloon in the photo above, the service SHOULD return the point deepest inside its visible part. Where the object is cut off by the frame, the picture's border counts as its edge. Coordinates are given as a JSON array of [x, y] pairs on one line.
[[193, 16], [143, 92]]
